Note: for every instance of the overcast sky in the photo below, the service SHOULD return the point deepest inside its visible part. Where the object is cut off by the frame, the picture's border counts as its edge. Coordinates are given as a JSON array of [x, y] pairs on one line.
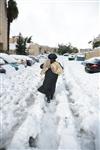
[[53, 22]]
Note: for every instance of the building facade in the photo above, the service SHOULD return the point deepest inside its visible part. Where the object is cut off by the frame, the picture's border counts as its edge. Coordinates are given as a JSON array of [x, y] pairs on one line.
[[36, 49], [3, 25], [94, 53]]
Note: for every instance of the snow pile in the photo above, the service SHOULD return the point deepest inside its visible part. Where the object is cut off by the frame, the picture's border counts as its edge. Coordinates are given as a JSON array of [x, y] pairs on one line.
[[16, 91], [7, 58]]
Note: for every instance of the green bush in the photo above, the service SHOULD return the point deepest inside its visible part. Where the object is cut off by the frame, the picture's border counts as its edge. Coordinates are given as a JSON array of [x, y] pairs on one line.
[[62, 49]]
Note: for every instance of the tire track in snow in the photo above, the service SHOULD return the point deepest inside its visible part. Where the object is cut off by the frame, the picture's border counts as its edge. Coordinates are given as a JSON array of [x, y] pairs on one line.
[[86, 139], [88, 93], [66, 128]]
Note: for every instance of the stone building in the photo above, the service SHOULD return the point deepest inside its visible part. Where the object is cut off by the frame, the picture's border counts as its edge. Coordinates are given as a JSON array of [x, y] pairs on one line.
[[12, 44], [47, 49], [85, 50], [3, 25], [35, 49]]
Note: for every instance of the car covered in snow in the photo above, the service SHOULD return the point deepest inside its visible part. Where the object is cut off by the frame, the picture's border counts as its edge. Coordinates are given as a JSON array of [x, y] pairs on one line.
[[92, 65], [66, 54], [6, 67], [2, 70], [9, 60], [35, 59], [71, 57], [23, 58]]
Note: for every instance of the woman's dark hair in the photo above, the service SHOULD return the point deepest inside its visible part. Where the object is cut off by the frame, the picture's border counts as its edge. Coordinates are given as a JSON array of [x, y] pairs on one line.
[[52, 56]]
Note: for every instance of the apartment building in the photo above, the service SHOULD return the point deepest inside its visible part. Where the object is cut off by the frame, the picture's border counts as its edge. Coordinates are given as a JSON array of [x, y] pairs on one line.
[[3, 25]]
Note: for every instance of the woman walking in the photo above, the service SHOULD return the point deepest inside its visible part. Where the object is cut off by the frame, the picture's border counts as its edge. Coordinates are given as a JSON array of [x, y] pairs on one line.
[[51, 68]]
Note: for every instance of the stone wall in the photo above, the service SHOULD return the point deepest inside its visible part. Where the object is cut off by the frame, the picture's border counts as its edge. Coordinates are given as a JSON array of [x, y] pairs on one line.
[[94, 53]]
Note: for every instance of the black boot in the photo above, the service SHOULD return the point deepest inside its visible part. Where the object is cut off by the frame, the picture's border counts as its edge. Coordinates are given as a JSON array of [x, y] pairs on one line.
[[48, 99], [51, 97]]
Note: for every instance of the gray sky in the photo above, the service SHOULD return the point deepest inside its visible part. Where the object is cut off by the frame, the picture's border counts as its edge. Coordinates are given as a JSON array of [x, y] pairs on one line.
[[53, 22]]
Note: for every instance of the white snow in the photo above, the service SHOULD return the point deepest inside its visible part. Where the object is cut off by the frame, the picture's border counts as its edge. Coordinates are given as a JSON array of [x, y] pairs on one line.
[[19, 57], [71, 121], [7, 58]]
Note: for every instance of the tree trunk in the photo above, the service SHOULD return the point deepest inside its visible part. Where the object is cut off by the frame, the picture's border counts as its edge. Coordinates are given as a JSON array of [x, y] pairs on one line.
[[8, 35]]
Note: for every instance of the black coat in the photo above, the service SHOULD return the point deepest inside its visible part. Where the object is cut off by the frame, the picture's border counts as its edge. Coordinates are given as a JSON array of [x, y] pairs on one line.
[[49, 84]]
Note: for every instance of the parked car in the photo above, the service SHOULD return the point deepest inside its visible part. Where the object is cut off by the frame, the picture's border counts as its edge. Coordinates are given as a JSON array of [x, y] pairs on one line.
[[5, 68], [29, 62], [71, 57], [80, 57], [26, 59], [92, 65], [9, 60], [34, 58], [66, 54], [2, 70]]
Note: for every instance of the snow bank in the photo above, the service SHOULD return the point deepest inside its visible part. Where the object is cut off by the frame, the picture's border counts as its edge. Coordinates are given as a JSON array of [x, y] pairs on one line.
[[84, 99]]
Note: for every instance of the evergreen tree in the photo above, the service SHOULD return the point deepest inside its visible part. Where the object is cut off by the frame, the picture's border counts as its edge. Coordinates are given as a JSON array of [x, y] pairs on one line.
[[21, 45]]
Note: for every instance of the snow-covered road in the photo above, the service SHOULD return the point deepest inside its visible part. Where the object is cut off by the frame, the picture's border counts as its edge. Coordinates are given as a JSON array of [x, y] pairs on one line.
[[50, 124], [70, 121]]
